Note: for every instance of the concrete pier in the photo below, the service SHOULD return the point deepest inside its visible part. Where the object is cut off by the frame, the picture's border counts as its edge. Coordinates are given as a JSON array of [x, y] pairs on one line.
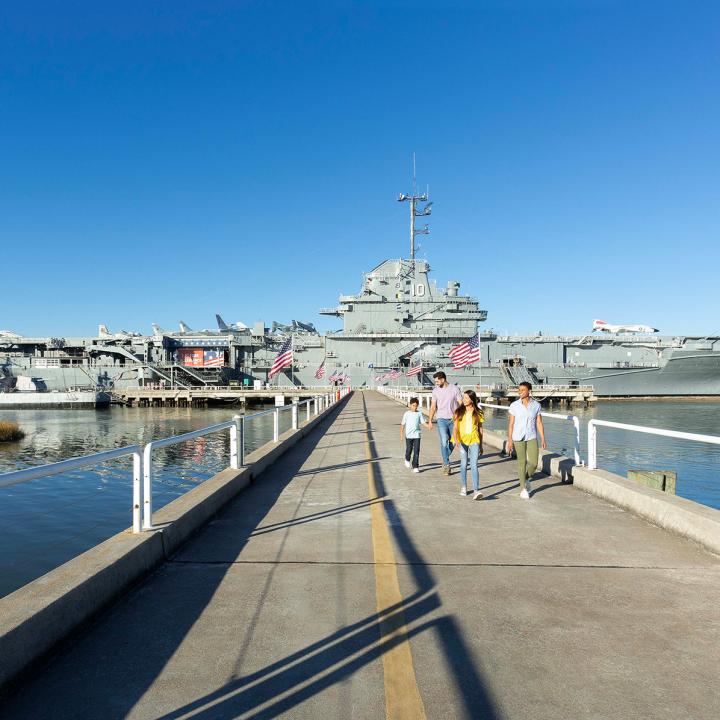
[[339, 584]]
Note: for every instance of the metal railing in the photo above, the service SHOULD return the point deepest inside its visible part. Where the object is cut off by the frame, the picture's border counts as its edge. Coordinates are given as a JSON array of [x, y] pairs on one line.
[[574, 419], [34, 473], [143, 466], [237, 441], [148, 466], [592, 436]]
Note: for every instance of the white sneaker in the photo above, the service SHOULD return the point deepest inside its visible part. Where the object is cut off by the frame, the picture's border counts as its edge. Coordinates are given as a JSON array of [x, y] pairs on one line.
[[407, 463], [477, 495], [416, 470], [524, 494], [463, 491]]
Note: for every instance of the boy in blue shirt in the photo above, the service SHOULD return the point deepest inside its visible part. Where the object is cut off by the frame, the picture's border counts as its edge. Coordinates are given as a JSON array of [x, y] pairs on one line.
[[410, 430]]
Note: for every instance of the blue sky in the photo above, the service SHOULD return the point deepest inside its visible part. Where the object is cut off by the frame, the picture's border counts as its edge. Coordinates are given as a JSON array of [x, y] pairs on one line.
[[169, 160]]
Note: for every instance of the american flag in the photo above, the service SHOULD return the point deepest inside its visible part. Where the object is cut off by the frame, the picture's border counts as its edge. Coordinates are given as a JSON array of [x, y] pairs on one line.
[[284, 359], [320, 372], [334, 377], [378, 378], [466, 353], [414, 371], [394, 374], [213, 358]]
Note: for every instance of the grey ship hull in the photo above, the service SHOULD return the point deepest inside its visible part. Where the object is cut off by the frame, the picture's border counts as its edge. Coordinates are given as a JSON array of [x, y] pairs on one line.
[[688, 374]]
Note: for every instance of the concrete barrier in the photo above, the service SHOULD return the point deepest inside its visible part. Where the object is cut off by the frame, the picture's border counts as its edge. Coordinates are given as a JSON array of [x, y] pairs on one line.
[[37, 617], [675, 514]]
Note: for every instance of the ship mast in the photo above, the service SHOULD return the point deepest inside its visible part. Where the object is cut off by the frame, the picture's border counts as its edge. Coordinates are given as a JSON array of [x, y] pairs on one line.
[[413, 199]]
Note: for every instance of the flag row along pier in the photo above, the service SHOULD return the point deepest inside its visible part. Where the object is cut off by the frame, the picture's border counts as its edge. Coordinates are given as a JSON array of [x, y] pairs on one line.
[[556, 395]]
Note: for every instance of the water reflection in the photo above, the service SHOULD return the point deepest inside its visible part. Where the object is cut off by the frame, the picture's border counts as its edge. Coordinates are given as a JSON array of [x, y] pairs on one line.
[[50, 520]]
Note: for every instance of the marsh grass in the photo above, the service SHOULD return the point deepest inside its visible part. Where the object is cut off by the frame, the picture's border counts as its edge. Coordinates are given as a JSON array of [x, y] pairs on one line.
[[10, 431]]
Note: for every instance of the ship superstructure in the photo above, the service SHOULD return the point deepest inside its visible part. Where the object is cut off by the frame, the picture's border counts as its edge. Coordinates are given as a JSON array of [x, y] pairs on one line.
[[400, 318]]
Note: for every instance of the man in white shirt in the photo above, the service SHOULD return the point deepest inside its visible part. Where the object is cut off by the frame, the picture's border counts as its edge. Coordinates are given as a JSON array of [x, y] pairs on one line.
[[524, 426]]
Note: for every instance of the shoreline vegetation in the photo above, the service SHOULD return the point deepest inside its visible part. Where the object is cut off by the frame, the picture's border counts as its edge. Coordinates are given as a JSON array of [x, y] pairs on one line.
[[10, 432]]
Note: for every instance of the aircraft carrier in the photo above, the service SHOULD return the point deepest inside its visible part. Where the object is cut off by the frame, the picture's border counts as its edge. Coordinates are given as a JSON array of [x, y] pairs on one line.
[[399, 319]]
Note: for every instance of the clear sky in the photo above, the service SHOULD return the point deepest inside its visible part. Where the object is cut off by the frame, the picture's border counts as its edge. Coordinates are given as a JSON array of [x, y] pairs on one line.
[[164, 161]]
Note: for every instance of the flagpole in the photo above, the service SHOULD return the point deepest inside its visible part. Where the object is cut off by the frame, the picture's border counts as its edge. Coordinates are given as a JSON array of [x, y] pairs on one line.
[[292, 359], [480, 362]]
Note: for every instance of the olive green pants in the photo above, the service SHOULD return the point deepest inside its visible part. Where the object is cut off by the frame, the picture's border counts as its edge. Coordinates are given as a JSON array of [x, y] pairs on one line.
[[527, 457]]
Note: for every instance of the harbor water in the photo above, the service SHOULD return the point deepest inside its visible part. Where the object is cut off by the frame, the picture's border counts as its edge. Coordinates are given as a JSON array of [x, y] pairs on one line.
[[50, 520]]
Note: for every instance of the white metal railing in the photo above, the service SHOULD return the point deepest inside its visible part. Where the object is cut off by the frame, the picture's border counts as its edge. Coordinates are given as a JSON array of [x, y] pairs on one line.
[[148, 466], [405, 396], [237, 441], [592, 436], [574, 419], [40, 471], [143, 457]]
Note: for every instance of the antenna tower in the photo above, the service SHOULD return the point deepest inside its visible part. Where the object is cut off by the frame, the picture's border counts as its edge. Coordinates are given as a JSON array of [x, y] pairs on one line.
[[414, 199]]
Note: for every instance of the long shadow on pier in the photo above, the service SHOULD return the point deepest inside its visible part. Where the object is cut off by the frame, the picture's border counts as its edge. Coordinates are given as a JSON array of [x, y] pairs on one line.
[[320, 665]]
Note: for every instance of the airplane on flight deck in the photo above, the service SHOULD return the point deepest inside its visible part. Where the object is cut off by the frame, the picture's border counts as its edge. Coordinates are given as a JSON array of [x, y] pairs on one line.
[[606, 327]]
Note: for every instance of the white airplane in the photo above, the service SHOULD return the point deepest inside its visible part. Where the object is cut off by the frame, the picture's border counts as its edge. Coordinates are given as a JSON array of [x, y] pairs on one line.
[[103, 332], [606, 327]]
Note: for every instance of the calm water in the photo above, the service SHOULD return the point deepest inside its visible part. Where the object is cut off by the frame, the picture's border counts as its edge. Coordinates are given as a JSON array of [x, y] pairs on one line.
[[49, 521]]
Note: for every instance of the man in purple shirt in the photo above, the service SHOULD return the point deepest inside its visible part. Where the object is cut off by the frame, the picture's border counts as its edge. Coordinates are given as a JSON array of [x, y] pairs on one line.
[[445, 399]]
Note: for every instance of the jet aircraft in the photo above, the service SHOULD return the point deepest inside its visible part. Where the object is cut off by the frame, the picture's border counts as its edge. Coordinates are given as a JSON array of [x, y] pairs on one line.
[[104, 333], [235, 327], [606, 327]]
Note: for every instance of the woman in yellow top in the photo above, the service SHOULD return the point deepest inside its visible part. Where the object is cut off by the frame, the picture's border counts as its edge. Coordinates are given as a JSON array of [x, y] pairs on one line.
[[468, 433]]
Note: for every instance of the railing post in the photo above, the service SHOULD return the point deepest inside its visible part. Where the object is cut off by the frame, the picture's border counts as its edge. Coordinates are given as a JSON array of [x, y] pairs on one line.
[[592, 446], [137, 492], [307, 406], [240, 422], [234, 457], [576, 424], [294, 414], [147, 489], [276, 424]]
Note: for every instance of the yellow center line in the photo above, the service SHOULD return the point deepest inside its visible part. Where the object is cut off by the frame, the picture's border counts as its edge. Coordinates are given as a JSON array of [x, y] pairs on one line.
[[402, 696]]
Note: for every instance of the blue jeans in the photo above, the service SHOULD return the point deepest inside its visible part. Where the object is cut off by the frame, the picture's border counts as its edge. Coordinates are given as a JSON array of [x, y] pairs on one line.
[[474, 452], [445, 428]]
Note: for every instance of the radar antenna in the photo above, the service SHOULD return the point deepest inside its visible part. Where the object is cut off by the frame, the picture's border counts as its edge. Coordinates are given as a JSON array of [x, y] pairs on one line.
[[414, 199]]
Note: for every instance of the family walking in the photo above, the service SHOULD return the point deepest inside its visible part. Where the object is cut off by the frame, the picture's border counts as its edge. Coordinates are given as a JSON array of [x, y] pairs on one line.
[[460, 420]]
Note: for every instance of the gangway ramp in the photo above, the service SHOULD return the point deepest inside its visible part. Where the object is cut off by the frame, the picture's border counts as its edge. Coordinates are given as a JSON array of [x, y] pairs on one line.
[[342, 585]]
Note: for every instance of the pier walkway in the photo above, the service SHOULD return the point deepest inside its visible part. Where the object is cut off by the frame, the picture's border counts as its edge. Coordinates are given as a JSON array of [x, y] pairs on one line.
[[340, 585]]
